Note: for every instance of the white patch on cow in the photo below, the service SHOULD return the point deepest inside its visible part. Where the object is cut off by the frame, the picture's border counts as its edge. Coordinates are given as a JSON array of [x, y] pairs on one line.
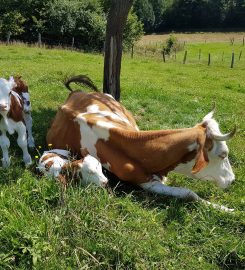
[[5, 88], [90, 135], [55, 168], [117, 116], [91, 171], [109, 95], [160, 188], [192, 146], [94, 108], [27, 103], [28, 121], [4, 144], [62, 152], [218, 171]]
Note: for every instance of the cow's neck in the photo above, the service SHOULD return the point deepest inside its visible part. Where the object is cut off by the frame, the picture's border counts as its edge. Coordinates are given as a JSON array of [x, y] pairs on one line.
[[158, 151]]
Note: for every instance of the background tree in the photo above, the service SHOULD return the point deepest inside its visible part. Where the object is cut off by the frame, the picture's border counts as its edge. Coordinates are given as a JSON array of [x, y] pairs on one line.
[[116, 21], [12, 24]]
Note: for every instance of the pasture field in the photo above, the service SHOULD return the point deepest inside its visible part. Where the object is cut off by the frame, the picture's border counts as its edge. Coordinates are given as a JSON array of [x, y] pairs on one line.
[[123, 227]]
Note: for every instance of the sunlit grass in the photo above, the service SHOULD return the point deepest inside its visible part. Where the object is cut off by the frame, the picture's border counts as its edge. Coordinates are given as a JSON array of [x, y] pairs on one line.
[[115, 228]]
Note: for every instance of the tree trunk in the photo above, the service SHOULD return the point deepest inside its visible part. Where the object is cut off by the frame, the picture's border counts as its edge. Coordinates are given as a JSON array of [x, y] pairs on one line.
[[113, 46]]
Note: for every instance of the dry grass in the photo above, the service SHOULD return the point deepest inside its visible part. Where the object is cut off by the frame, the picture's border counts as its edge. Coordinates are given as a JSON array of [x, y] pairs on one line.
[[194, 37]]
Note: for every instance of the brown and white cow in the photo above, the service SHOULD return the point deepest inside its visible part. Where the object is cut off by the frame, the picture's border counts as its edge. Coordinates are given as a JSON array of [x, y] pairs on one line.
[[22, 89], [100, 124], [11, 120], [58, 163]]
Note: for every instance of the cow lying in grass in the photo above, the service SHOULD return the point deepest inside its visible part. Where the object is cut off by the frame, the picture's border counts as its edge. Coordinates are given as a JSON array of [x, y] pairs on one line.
[[100, 124], [12, 118], [58, 163]]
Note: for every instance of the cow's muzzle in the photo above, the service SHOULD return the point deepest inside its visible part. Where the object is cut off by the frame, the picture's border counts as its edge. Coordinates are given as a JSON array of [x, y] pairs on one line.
[[3, 108]]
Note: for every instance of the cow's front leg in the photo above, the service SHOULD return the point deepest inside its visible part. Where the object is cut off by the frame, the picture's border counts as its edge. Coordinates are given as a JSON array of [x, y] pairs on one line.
[[4, 144], [177, 192], [22, 142], [28, 122], [181, 193]]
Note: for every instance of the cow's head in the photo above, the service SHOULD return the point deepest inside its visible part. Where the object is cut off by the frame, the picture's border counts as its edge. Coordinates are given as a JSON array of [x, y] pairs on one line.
[[6, 87], [211, 162], [91, 171], [22, 89]]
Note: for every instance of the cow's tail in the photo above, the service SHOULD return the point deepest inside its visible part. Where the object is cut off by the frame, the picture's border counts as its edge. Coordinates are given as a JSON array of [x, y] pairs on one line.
[[80, 80]]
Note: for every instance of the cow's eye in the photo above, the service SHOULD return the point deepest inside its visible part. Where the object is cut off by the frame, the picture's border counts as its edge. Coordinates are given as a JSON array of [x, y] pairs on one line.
[[223, 155]]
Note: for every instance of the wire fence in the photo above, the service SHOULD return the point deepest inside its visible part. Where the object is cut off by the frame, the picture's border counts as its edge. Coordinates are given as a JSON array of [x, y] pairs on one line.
[[231, 55]]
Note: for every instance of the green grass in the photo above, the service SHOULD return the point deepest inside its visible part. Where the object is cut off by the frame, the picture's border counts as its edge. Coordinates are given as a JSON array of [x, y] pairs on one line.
[[123, 228]]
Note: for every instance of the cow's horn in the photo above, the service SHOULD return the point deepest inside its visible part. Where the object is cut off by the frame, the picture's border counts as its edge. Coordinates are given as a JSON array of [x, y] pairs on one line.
[[224, 137], [210, 114]]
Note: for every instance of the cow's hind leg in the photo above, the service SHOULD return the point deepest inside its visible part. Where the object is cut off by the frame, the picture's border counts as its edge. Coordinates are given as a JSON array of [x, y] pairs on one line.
[[4, 144], [22, 142], [177, 192], [28, 122]]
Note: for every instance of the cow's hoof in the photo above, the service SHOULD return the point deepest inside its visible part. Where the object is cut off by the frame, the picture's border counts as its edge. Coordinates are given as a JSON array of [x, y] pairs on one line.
[[27, 160], [5, 163], [31, 144]]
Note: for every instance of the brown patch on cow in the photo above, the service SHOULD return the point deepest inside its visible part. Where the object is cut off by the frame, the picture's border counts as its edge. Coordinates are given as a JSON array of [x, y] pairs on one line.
[[69, 171], [84, 152], [21, 86], [64, 132], [16, 109], [48, 165]]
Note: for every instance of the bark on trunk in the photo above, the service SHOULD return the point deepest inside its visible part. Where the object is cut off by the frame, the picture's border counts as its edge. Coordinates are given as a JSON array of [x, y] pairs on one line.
[[113, 46]]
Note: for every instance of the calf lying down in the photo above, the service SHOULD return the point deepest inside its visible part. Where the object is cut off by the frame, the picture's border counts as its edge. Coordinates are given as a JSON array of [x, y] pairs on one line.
[[58, 163]]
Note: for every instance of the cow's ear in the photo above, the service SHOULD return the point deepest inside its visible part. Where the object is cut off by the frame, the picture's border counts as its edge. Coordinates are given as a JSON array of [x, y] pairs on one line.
[[201, 158], [84, 152]]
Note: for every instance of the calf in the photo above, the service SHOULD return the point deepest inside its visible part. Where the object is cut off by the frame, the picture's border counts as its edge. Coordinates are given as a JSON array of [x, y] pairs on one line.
[[100, 124], [22, 89], [11, 120], [59, 164]]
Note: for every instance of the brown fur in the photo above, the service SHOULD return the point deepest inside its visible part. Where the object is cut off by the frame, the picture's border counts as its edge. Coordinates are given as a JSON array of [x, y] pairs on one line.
[[16, 109], [133, 155], [21, 86]]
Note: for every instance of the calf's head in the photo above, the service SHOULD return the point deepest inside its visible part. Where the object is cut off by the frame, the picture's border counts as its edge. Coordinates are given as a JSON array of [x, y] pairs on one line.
[[6, 87], [90, 170], [211, 162]]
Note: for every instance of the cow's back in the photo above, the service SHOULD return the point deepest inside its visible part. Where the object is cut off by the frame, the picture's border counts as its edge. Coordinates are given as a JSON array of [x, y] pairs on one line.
[[65, 131]]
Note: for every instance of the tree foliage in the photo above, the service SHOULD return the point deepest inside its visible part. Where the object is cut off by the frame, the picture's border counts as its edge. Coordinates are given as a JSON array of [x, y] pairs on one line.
[[162, 15], [60, 21]]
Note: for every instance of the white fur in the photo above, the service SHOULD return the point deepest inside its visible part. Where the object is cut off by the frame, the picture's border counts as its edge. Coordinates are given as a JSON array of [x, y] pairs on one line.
[[10, 126], [90, 169]]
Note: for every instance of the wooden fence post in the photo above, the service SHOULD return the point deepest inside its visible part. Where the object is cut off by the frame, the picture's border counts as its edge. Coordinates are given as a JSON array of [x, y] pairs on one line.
[[163, 56], [132, 51], [185, 56], [39, 38], [222, 56], [232, 59], [175, 52], [199, 55], [240, 55], [209, 59], [243, 41], [8, 37], [72, 42]]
